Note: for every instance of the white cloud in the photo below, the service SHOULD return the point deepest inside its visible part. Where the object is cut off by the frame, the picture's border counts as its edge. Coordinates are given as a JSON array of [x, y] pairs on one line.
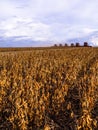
[[48, 19], [26, 27], [7, 9], [94, 40]]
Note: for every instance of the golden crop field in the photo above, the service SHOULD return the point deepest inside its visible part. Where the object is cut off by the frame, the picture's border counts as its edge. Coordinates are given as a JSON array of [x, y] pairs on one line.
[[49, 89]]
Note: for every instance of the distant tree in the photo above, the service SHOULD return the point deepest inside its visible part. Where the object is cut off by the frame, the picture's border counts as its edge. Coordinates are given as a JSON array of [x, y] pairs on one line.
[[86, 44], [77, 44]]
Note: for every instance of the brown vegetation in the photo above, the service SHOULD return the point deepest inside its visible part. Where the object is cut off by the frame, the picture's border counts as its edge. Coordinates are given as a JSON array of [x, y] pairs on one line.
[[49, 89]]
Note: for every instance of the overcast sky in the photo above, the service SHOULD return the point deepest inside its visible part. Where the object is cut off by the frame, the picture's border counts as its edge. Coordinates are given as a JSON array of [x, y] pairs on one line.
[[54, 20]]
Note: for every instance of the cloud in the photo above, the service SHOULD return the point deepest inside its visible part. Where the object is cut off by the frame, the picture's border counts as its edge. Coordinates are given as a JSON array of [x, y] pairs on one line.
[[94, 40], [25, 27], [53, 20]]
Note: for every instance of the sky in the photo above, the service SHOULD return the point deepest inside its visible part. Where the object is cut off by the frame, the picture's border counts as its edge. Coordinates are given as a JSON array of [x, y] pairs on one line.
[[48, 20]]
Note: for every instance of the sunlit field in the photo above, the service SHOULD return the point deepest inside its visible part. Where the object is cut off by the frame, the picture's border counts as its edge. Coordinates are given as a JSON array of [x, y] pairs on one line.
[[49, 88]]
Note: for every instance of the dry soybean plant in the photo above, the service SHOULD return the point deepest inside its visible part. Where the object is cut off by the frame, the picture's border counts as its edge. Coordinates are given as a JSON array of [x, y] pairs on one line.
[[49, 89]]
